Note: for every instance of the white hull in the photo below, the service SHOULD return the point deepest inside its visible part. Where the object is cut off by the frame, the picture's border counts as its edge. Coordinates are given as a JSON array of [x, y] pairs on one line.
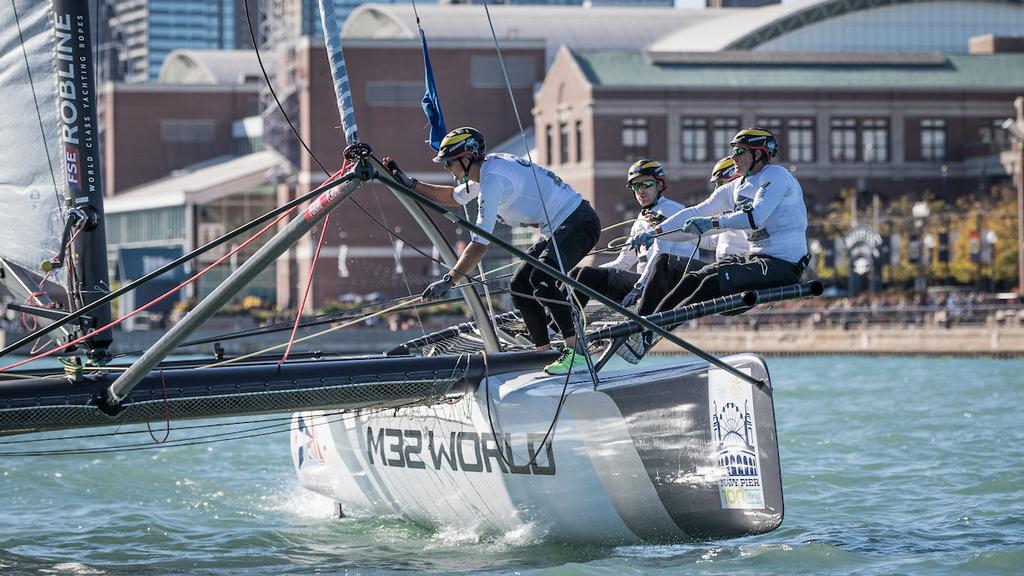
[[638, 460]]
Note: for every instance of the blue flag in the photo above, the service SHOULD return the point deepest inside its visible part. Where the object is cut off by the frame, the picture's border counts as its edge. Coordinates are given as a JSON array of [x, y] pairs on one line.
[[431, 103]]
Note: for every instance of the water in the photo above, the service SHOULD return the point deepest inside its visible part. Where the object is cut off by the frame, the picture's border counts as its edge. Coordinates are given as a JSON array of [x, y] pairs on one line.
[[890, 466]]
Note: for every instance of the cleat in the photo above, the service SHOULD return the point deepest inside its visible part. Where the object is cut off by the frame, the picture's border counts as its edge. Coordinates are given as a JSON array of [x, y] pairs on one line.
[[568, 362]]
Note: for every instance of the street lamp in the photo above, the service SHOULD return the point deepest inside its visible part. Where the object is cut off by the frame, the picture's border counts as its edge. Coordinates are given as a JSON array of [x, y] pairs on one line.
[[920, 213], [1013, 127]]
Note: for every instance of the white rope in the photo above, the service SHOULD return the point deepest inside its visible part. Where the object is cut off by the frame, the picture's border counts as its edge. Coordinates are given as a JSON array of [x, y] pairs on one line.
[[570, 297]]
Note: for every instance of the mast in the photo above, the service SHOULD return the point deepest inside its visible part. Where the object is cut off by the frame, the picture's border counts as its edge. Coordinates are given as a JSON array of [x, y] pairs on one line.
[[80, 161]]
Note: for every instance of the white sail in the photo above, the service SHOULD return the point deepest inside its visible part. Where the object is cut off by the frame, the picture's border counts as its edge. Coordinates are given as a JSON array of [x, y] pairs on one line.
[[31, 168]]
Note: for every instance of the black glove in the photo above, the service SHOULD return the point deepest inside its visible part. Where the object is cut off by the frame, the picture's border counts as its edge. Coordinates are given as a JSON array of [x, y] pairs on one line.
[[438, 290], [402, 178], [631, 298]]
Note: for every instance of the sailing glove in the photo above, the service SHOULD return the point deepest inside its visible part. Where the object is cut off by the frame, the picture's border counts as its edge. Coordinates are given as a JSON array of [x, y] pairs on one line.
[[642, 240], [438, 290], [402, 178], [699, 225], [632, 297]]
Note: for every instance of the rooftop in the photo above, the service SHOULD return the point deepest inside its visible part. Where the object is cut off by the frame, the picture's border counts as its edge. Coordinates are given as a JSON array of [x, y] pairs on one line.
[[959, 71]]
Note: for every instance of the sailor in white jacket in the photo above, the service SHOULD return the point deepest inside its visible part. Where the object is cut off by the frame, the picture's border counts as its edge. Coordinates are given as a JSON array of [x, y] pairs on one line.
[[767, 204], [617, 279]]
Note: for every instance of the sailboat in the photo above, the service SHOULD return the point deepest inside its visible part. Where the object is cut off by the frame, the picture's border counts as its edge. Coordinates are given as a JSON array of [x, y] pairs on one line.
[[457, 427]]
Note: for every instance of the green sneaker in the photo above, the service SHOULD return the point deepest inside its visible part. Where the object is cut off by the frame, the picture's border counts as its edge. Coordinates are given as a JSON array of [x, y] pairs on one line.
[[569, 361]]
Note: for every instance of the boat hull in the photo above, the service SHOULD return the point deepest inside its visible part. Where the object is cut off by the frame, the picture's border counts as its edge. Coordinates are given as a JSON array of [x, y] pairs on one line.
[[666, 454]]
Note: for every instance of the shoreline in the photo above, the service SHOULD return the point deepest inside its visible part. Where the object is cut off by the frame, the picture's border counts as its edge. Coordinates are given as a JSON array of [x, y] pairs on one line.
[[932, 341], [935, 341]]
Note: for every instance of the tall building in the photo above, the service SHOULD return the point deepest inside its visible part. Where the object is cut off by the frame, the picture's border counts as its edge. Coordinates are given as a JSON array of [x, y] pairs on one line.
[[146, 31]]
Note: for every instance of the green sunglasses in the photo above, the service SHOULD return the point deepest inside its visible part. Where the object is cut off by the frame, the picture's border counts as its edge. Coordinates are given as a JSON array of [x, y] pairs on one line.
[[637, 186]]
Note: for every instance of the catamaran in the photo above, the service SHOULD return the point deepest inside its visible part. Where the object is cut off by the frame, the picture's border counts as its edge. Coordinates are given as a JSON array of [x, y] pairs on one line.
[[461, 426]]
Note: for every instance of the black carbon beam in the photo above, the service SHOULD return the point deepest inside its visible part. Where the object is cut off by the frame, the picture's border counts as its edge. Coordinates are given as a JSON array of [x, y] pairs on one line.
[[676, 316], [385, 177]]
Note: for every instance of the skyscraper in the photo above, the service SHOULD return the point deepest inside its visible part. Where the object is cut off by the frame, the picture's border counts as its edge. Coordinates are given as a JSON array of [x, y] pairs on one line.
[[148, 30]]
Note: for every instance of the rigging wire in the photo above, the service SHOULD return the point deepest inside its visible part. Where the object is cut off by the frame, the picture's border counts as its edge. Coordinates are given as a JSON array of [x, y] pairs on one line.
[[254, 432], [148, 304], [570, 298], [288, 120]]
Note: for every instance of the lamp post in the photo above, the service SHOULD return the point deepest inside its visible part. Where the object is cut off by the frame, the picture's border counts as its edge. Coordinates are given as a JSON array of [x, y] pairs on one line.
[[920, 212], [1014, 127]]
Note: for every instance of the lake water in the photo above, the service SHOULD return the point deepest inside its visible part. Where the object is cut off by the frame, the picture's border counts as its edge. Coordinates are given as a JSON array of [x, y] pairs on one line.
[[890, 466]]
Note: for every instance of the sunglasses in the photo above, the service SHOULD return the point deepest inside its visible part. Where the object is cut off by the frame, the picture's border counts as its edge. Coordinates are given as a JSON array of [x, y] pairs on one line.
[[736, 152], [643, 184]]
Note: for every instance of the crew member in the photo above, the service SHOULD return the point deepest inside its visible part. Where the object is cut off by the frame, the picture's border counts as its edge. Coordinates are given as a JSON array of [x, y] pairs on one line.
[[767, 204], [518, 193]]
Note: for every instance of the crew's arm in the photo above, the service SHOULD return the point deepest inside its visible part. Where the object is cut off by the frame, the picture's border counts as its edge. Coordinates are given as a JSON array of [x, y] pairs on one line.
[[719, 201], [652, 255], [443, 195], [468, 261], [754, 215]]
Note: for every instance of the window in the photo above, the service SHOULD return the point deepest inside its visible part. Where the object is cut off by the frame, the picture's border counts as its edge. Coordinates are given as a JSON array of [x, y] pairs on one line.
[[694, 139], [181, 131], [933, 139], [579, 141], [722, 131], [486, 72], [549, 144], [800, 140], [563, 143], [875, 140], [634, 138], [844, 140], [773, 125], [993, 138], [405, 94]]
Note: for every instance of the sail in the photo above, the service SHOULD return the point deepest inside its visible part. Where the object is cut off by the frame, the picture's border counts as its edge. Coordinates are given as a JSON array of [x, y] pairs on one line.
[[31, 181]]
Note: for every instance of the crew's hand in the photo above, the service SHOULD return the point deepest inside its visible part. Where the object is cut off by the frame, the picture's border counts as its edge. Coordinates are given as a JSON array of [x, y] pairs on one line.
[[437, 290], [632, 297], [402, 178], [642, 240], [698, 225]]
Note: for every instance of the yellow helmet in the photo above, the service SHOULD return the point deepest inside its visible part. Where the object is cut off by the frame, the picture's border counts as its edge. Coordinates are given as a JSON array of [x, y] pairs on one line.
[[724, 171], [646, 167], [756, 139], [462, 142]]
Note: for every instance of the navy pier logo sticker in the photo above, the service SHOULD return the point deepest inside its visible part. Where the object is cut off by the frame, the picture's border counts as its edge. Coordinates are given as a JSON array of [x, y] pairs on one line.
[[734, 441]]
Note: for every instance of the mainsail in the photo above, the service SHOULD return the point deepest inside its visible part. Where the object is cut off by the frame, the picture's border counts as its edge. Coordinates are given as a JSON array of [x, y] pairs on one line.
[[31, 185]]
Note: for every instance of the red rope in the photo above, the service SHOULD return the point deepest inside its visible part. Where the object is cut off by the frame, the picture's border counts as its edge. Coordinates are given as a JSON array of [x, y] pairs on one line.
[[312, 270], [151, 302]]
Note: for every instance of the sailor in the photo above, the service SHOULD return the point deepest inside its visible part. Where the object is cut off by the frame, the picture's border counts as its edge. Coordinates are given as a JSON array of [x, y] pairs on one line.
[[767, 204], [518, 193], [616, 279], [665, 271]]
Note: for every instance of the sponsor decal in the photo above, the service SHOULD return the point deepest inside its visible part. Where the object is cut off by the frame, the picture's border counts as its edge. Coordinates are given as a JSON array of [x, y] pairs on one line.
[[322, 201], [75, 100], [305, 438], [466, 451], [72, 167], [734, 440]]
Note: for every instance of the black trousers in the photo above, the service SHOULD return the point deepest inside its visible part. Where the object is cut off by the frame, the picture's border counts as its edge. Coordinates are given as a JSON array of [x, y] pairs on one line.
[[611, 282], [732, 275], [575, 238], [668, 270]]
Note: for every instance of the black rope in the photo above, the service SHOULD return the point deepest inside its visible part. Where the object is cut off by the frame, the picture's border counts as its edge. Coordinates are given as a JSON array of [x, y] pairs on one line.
[[288, 120]]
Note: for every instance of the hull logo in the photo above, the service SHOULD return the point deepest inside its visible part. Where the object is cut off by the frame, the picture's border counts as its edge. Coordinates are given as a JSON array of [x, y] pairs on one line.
[[734, 441]]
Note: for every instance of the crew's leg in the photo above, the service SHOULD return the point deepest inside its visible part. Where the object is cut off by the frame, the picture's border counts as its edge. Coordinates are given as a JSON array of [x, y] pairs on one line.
[[533, 313], [574, 239]]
